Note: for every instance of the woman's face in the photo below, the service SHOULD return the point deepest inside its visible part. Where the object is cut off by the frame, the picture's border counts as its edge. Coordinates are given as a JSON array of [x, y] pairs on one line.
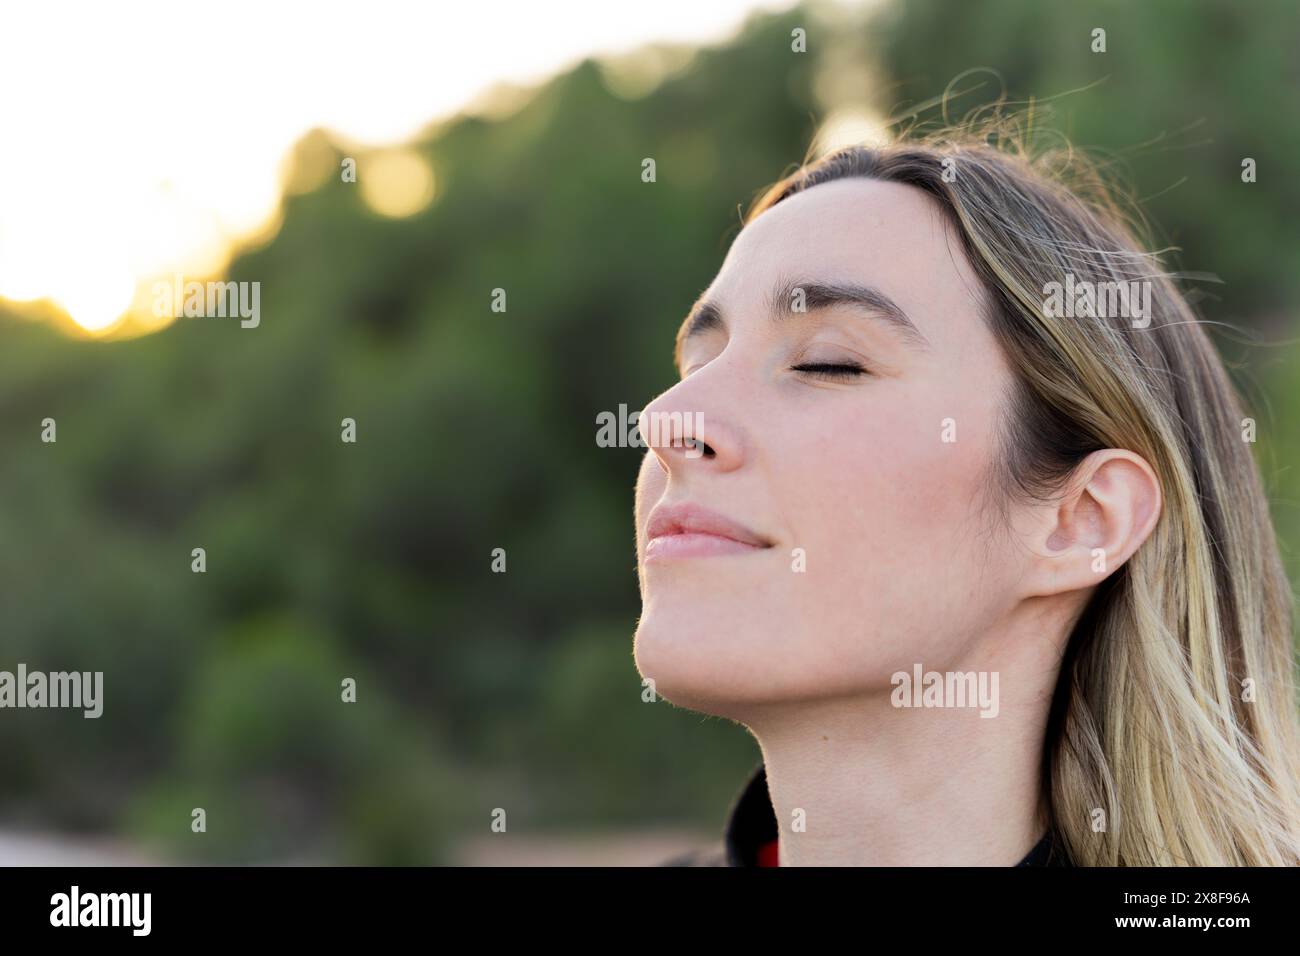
[[846, 452]]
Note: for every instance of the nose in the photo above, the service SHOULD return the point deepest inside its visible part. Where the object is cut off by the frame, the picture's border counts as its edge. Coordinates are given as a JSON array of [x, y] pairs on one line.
[[685, 429]]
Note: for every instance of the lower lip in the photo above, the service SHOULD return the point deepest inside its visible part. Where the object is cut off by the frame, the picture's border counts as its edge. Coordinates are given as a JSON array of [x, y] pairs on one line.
[[670, 546]]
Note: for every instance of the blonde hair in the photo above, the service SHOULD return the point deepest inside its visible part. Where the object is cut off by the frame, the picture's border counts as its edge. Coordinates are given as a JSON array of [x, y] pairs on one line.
[[1150, 722]]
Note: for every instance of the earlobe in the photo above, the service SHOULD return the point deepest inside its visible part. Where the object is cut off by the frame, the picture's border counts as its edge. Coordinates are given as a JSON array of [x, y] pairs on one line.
[[1109, 508]]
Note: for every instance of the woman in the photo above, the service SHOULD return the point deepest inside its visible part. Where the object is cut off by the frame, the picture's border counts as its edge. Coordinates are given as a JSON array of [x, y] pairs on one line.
[[967, 533]]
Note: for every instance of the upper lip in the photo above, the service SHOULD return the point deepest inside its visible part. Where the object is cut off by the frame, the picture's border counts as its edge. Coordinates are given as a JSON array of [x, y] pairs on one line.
[[689, 518]]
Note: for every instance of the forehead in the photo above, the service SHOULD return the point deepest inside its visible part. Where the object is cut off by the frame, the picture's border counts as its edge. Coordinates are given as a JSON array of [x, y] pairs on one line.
[[882, 234]]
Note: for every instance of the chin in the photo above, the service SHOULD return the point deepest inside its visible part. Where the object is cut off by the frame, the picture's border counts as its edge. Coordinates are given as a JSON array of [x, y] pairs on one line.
[[695, 665], [729, 662], [716, 662]]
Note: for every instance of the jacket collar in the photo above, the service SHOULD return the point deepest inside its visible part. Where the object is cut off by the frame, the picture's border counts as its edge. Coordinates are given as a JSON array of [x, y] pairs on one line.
[[750, 835], [751, 821]]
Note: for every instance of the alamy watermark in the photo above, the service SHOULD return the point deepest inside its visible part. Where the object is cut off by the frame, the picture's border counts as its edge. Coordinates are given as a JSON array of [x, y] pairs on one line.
[[208, 300], [76, 908], [1073, 299], [38, 689], [946, 689], [655, 429]]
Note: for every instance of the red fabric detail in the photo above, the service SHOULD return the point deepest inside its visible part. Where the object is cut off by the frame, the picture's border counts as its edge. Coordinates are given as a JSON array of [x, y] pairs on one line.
[[768, 855]]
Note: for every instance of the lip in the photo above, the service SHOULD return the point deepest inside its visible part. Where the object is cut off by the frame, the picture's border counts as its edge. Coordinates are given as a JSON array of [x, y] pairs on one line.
[[692, 531]]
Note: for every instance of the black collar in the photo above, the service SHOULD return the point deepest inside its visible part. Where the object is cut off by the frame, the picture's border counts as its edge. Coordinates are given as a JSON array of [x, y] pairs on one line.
[[751, 825]]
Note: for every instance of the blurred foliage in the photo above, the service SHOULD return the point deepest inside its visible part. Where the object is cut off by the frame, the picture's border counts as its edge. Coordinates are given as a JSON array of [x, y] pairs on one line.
[[475, 430]]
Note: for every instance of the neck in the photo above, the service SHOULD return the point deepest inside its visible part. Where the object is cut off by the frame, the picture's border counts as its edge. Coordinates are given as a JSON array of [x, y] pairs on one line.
[[884, 785]]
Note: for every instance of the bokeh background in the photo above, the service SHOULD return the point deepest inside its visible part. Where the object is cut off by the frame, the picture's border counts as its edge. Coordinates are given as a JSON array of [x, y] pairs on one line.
[[476, 429]]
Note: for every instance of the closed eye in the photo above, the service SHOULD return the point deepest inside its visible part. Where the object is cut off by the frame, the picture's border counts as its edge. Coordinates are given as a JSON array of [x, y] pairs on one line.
[[830, 370]]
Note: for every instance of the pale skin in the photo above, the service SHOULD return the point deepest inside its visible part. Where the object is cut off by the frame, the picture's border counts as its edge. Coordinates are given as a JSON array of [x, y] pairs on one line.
[[901, 564]]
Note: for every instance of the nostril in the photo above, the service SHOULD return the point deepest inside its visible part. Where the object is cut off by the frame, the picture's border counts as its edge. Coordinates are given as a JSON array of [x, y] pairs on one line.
[[691, 444]]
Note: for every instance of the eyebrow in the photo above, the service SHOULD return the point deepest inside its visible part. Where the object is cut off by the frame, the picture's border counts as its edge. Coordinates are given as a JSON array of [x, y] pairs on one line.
[[707, 316]]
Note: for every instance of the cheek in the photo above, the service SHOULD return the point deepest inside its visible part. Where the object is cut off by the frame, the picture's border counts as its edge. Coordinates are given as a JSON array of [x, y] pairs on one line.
[[888, 517], [879, 482]]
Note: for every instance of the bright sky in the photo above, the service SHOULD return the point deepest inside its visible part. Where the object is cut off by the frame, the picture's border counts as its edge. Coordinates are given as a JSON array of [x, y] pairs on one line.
[[139, 140]]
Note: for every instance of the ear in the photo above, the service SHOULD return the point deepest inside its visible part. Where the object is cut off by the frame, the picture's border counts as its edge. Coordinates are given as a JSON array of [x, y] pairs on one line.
[[1110, 506]]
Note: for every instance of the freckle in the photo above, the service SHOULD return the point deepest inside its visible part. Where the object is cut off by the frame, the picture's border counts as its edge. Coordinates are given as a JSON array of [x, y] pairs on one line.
[[824, 737]]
